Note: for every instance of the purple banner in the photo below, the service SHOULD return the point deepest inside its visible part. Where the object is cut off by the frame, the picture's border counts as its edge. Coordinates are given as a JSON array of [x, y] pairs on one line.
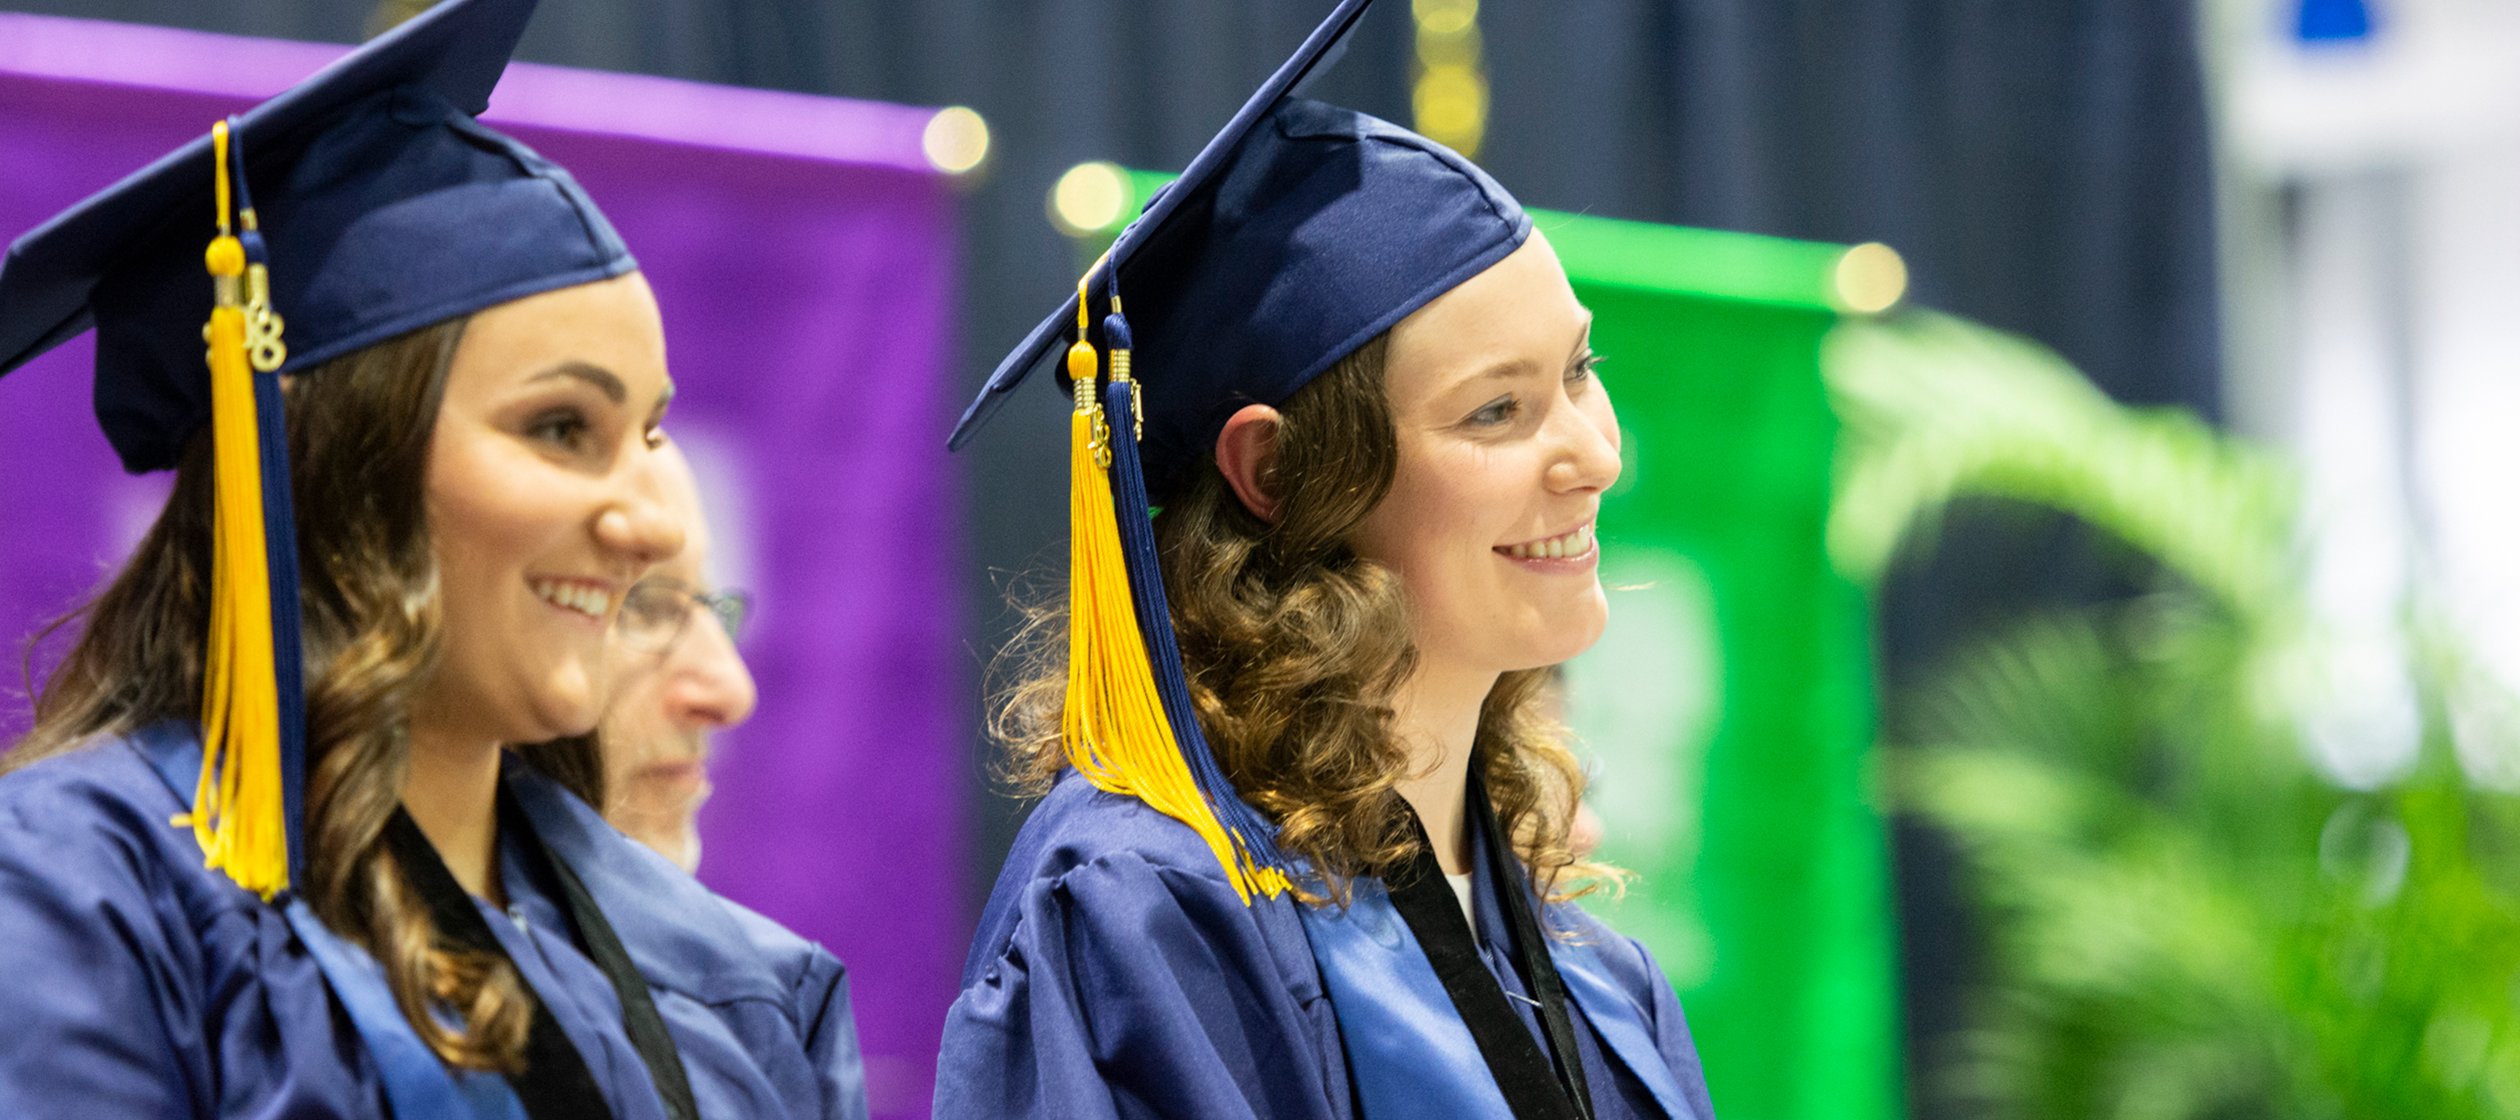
[[802, 249]]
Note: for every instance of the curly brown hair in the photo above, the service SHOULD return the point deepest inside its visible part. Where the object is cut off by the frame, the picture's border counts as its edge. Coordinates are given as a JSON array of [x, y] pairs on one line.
[[359, 434], [1294, 644]]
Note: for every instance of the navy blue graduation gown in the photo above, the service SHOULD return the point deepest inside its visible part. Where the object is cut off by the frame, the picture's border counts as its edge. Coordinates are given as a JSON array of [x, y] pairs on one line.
[[1116, 974], [144, 985]]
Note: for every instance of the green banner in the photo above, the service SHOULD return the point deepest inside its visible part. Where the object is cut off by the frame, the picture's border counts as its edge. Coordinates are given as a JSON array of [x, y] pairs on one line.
[[1728, 709], [1729, 705]]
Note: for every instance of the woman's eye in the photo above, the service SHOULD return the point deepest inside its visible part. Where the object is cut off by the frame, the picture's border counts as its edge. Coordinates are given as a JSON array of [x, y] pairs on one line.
[[565, 428], [655, 436], [1583, 369], [1496, 412]]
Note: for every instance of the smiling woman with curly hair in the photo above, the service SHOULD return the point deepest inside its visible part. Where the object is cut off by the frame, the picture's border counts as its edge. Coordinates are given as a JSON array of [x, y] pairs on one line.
[[1303, 843], [1299, 649]]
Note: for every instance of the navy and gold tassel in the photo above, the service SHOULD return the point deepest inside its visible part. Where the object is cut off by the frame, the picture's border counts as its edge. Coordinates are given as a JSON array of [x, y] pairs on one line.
[[1254, 836], [267, 352], [252, 765], [1118, 722]]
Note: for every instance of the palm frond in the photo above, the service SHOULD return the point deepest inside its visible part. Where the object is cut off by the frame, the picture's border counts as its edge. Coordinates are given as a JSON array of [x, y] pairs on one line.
[[2188, 920], [1937, 408]]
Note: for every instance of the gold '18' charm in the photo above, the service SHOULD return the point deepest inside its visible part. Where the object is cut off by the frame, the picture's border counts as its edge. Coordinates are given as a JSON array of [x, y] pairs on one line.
[[262, 325]]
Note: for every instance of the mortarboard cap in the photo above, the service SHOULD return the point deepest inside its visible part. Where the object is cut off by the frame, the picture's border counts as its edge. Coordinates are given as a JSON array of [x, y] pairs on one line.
[[1301, 232], [384, 207]]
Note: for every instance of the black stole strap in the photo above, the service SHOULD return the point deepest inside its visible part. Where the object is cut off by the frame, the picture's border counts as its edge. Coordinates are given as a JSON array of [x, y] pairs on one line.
[[1534, 1087], [639, 1017], [1531, 946], [555, 1082]]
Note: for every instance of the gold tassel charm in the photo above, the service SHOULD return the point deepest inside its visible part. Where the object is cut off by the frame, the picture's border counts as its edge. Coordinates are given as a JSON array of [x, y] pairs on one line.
[[1120, 376], [262, 324]]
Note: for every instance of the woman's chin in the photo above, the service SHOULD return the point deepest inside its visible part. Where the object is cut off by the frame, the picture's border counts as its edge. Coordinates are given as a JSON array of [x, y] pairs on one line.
[[1563, 643], [565, 707], [1529, 639], [567, 724]]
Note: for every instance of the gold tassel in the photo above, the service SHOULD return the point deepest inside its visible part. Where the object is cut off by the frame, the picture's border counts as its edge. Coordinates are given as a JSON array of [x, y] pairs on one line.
[[237, 807], [1113, 721]]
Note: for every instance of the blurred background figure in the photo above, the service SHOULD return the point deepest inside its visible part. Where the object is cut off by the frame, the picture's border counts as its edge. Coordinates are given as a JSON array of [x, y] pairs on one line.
[[678, 681]]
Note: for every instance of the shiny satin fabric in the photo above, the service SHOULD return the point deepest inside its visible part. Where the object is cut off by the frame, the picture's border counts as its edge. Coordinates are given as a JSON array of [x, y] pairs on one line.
[[168, 991], [1414, 1059], [1117, 974]]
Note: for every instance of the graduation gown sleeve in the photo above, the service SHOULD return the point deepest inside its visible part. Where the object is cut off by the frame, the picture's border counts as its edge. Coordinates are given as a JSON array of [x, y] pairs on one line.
[[1117, 974], [817, 999], [1634, 972], [142, 985], [1671, 1028], [77, 919]]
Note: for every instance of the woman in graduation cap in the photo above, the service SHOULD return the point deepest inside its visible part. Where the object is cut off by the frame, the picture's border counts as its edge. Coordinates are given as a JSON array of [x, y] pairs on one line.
[[267, 850], [1304, 849]]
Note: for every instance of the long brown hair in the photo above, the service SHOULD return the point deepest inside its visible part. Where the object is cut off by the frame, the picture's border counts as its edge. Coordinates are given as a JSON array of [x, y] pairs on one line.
[[1294, 645], [359, 433]]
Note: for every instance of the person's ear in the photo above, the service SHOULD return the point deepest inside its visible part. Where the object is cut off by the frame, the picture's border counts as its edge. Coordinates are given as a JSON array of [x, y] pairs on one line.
[[1246, 453]]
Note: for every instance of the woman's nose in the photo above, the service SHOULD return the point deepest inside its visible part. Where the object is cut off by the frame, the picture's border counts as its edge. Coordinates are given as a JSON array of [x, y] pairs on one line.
[[1588, 447], [640, 524]]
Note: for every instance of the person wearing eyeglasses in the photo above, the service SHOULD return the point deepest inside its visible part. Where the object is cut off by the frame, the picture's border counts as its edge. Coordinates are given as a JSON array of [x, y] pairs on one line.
[[680, 681]]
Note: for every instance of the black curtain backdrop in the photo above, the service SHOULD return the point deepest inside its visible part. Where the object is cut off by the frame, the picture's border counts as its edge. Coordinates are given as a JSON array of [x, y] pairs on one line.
[[2042, 167]]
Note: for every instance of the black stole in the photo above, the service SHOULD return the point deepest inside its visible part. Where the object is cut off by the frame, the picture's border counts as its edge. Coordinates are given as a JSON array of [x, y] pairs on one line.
[[555, 1083], [1536, 1085]]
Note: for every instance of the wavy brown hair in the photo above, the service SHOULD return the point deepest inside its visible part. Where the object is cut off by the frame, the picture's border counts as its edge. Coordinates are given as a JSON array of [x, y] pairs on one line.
[[1294, 645], [359, 433]]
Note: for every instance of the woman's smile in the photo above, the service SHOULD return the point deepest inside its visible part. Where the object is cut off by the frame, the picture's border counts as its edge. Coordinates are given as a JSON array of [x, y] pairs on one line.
[[1574, 550], [586, 600]]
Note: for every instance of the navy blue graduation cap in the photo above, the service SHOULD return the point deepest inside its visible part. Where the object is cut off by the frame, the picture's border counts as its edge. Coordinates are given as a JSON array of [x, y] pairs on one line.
[[384, 207], [1301, 232]]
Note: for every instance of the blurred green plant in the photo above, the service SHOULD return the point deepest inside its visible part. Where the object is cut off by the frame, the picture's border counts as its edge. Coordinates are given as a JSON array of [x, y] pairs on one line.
[[2187, 917]]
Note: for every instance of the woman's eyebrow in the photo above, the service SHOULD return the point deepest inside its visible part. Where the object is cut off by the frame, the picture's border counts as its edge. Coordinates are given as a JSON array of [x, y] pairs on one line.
[[1517, 367], [1583, 339], [1504, 370], [599, 377]]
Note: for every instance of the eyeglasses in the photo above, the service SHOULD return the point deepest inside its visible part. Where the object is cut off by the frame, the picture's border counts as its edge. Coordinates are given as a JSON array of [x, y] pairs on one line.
[[655, 611]]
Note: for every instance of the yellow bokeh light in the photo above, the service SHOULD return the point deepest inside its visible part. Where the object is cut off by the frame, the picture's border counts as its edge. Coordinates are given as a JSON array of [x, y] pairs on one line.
[[1444, 17], [1451, 106], [1090, 198], [955, 140], [1461, 48], [1870, 277], [1451, 96]]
